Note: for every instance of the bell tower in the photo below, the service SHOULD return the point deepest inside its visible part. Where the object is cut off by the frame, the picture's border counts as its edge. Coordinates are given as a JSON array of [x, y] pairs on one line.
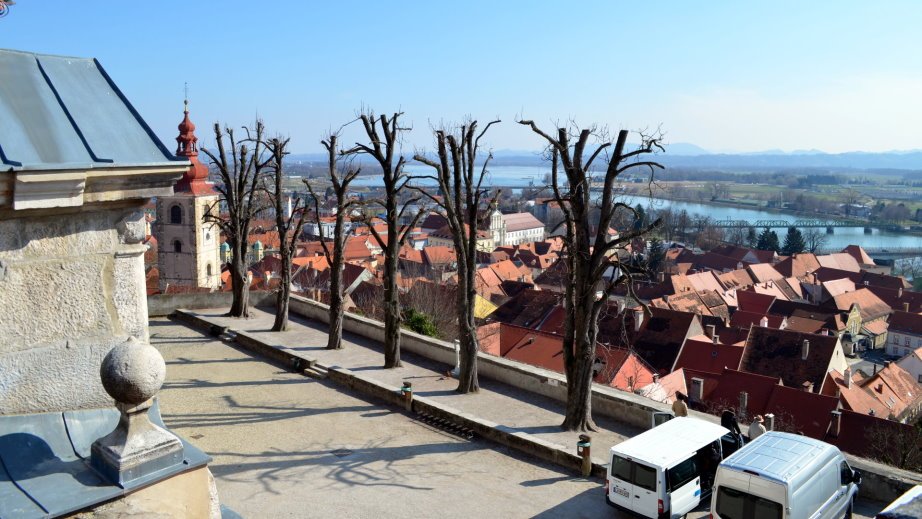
[[188, 247]]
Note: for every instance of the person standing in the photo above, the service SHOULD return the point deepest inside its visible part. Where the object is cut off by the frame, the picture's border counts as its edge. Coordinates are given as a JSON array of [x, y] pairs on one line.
[[756, 428], [728, 420], [680, 407]]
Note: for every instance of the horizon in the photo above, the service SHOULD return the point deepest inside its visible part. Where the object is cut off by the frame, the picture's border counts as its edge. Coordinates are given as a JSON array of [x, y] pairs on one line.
[[833, 76]]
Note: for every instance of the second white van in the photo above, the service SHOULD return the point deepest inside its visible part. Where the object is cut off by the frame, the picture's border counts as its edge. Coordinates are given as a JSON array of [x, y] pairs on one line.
[[785, 476]]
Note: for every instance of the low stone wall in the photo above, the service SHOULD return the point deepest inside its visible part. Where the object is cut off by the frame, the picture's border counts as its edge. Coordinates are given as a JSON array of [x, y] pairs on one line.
[[624, 407], [162, 305]]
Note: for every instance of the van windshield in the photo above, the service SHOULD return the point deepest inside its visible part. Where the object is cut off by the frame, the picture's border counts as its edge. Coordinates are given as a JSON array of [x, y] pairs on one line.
[[734, 504]]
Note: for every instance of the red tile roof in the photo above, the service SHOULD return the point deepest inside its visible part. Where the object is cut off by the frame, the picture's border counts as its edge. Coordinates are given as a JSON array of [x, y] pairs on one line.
[[707, 356], [906, 322], [778, 353]]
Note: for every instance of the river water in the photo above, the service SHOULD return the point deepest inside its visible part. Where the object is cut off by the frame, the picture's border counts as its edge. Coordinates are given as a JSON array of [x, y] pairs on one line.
[[523, 176]]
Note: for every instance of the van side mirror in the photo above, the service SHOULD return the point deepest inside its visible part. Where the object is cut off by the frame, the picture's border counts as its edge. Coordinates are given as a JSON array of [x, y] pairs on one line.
[[856, 477]]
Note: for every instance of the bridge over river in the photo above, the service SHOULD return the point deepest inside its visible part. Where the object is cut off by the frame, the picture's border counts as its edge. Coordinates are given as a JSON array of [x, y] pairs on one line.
[[779, 223]]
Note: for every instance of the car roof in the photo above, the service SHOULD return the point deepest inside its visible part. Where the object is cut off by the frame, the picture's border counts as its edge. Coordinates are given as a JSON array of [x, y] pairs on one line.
[[671, 442], [781, 456]]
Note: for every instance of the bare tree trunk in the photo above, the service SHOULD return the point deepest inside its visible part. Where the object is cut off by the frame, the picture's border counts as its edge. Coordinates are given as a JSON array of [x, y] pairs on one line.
[[283, 296], [462, 188], [468, 381], [240, 169], [335, 257], [386, 152], [335, 340], [590, 253], [391, 311], [240, 305]]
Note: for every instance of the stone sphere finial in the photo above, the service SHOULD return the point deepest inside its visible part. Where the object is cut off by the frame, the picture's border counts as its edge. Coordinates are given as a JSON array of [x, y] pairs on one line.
[[132, 372]]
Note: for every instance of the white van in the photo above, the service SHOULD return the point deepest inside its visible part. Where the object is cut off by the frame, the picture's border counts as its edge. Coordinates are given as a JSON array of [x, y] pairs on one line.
[[659, 473], [785, 476]]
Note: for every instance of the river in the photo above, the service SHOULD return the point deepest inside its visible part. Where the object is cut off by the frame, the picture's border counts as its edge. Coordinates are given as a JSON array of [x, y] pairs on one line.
[[523, 176]]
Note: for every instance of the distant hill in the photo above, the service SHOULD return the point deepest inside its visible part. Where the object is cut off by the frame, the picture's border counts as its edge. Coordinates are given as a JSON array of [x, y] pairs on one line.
[[692, 156]]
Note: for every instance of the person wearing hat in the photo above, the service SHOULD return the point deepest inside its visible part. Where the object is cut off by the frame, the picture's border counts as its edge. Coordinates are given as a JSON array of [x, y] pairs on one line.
[[756, 428]]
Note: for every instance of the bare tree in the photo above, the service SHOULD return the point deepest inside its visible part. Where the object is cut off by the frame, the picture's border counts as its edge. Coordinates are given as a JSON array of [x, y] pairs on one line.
[[386, 153], [340, 178], [461, 185], [815, 239], [241, 168], [288, 225], [594, 268]]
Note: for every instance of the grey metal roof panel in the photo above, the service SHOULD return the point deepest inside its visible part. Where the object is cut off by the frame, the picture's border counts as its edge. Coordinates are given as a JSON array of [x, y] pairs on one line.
[[62, 112], [45, 465]]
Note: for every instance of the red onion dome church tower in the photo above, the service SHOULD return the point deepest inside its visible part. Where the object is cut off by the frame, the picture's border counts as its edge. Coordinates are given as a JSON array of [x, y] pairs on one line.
[[188, 247]]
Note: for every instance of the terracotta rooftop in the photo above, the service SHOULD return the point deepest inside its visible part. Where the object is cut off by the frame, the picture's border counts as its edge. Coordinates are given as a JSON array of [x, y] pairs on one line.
[[779, 353], [906, 322], [798, 265], [859, 254], [839, 260], [871, 306], [521, 221], [707, 356]]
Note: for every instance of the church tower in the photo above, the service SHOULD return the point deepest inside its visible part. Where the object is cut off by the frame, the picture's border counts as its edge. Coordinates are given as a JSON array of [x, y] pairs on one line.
[[188, 247], [497, 226]]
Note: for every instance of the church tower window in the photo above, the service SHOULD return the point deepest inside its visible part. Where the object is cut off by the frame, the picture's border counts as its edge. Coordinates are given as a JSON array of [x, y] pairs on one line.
[[176, 215]]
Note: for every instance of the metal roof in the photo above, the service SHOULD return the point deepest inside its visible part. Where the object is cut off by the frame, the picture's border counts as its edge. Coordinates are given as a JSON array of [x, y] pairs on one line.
[[781, 456], [671, 442], [60, 112], [45, 465]]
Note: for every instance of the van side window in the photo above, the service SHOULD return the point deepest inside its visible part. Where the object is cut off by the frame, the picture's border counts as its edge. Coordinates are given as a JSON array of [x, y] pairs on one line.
[[678, 476], [621, 468], [845, 474], [645, 477]]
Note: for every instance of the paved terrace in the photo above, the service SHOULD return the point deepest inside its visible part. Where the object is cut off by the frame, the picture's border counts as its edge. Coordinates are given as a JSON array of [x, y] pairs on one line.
[[507, 406], [273, 433], [285, 445]]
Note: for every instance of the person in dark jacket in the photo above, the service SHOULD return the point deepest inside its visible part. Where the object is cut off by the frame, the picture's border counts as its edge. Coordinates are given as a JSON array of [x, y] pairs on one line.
[[728, 420]]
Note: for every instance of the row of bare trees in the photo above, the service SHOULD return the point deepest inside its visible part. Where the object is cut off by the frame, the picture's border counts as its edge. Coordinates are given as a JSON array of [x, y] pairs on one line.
[[254, 166]]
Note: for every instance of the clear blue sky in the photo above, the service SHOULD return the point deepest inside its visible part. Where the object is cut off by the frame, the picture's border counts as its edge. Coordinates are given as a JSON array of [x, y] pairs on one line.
[[836, 75]]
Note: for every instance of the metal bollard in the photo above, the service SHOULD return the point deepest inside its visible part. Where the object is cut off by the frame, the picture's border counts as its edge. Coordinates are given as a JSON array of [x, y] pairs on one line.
[[407, 392], [769, 422], [583, 449]]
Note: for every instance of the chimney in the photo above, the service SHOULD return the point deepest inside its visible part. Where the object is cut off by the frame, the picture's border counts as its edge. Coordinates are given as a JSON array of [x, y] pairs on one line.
[[710, 330], [848, 378], [638, 319], [905, 306], [836, 426], [769, 422], [655, 378], [661, 277], [886, 364], [805, 350], [808, 386], [739, 265], [763, 322], [899, 293], [867, 283], [744, 404], [716, 339]]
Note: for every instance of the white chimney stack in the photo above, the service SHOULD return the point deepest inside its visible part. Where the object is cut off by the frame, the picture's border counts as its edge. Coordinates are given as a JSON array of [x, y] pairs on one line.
[[763, 322], [638, 319], [805, 350], [848, 377]]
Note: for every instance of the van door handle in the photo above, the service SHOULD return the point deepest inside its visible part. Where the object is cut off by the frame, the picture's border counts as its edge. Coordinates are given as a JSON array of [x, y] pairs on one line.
[[636, 496]]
